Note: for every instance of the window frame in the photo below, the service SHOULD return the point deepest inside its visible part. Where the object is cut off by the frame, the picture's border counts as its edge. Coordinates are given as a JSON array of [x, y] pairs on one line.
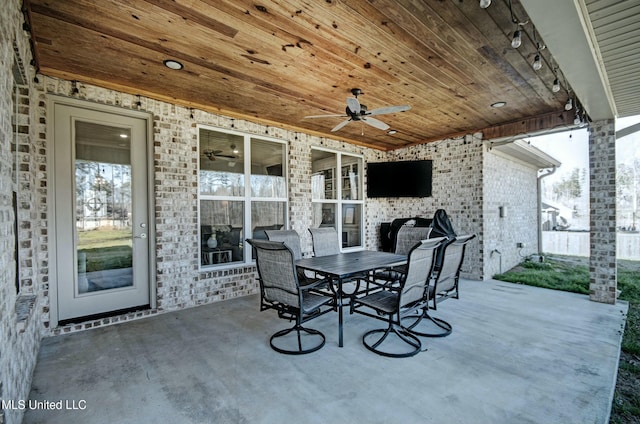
[[246, 198], [340, 203]]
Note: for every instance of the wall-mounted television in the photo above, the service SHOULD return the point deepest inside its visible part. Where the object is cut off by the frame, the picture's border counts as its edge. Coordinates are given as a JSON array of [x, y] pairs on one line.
[[399, 179]]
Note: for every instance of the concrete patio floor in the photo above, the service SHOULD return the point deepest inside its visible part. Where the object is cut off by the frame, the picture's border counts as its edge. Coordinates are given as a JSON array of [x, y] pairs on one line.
[[517, 354]]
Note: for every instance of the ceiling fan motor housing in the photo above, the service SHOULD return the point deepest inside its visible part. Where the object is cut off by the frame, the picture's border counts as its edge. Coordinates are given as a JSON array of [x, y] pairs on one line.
[[356, 116]]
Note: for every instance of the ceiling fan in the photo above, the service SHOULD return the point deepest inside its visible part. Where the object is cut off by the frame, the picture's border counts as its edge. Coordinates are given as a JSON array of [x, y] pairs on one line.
[[355, 111], [212, 154]]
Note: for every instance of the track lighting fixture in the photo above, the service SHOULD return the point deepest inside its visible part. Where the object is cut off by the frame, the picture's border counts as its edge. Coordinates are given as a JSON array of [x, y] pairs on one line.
[[516, 41], [556, 85], [537, 62], [569, 104], [485, 3], [577, 120]]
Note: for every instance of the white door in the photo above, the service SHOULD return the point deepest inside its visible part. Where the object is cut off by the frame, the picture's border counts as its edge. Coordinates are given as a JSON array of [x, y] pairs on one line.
[[101, 212]]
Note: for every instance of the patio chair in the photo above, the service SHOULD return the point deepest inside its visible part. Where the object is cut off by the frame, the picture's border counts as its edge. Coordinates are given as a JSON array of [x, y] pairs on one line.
[[325, 243], [394, 302], [443, 286], [281, 290], [292, 240], [407, 237]]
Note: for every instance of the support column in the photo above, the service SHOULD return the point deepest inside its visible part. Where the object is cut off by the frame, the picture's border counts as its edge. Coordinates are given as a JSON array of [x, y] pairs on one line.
[[602, 180]]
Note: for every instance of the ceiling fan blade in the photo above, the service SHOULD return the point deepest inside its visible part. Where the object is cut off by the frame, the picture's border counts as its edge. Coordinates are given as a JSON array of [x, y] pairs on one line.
[[340, 125], [342, 115], [353, 104], [388, 109], [375, 123]]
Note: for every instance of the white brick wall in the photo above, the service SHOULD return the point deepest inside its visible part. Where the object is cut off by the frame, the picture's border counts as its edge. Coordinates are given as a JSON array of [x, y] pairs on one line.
[[512, 185], [457, 188], [21, 313]]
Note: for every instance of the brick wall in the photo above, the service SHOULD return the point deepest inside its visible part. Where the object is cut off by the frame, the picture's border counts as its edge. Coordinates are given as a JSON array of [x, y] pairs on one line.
[[21, 309], [602, 183], [457, 188], [512, 185]]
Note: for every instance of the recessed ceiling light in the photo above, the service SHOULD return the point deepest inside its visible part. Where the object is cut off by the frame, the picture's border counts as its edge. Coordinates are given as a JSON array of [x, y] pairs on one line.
[[173, 64], [392, 132], [499, 104]]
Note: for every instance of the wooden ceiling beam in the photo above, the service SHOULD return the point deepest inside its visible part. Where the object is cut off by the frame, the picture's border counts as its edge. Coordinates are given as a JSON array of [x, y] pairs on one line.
[[531, 126]]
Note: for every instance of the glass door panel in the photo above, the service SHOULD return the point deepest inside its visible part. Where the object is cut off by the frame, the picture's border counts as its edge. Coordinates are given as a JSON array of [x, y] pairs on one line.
[[103, 207]]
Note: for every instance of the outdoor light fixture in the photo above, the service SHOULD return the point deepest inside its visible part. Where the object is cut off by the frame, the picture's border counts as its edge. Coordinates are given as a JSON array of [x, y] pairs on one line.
[[173, 64], [485, 3], [516, 41], [569, 104], [577, 120], [537, 63], [556, 85]]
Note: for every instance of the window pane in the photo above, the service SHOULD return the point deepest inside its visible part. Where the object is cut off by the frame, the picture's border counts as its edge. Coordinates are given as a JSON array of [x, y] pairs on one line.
[[267, 169], [324, 215], [221, 231], [103, 207], [323, 168], [351, 224], [221, 163], [351, 178], [267, 216]]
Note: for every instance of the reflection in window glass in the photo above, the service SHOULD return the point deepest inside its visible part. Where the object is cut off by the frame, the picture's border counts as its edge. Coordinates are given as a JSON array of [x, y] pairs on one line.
[[221, 163], [267, 164], [221, 231]]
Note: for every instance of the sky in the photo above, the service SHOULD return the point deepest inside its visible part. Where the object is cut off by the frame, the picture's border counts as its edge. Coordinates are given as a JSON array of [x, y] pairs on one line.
[[572, 147]]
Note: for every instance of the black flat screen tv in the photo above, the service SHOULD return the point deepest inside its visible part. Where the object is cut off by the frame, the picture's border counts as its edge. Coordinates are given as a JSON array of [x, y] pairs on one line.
[[399, 179]]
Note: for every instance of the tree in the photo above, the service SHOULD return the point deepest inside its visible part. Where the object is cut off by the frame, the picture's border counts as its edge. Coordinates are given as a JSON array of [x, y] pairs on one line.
[[569, 188]]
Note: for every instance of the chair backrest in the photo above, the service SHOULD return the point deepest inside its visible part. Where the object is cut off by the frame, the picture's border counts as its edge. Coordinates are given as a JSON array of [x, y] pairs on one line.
[[452, 262], [325, 241], [290, 238], [419, 268], [408, 237], [277, 272]]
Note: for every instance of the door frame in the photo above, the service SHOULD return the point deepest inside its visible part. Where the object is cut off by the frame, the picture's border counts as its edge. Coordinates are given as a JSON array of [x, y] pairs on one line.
[[52, 101]]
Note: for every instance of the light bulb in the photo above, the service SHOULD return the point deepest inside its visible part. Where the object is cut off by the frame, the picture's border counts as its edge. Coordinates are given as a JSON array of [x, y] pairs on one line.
[[569, 104], [577, 120], [537, 63], [556, 86], [516, 41], [485, 3]]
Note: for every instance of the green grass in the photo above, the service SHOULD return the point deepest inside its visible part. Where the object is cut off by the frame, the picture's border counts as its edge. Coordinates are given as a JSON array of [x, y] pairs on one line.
[[105, 249], [572, 275]]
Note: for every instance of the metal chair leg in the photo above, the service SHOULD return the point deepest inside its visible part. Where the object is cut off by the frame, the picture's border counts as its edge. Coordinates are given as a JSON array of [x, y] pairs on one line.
[[440, 323], [298, 329], [402, 334]]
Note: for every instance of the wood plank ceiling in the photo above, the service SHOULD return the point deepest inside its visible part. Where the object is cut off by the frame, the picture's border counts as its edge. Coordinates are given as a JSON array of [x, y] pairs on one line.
[[278, 61]]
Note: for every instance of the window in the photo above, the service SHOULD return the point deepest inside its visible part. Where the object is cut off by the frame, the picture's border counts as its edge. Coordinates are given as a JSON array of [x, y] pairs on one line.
[[336, 185], [243, 192]]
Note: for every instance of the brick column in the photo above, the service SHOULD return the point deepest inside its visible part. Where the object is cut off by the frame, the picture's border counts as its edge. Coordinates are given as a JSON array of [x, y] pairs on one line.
[[602, 179]]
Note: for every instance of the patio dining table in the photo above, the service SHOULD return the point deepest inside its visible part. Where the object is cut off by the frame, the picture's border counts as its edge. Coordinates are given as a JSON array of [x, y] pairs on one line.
[[345, 265]]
